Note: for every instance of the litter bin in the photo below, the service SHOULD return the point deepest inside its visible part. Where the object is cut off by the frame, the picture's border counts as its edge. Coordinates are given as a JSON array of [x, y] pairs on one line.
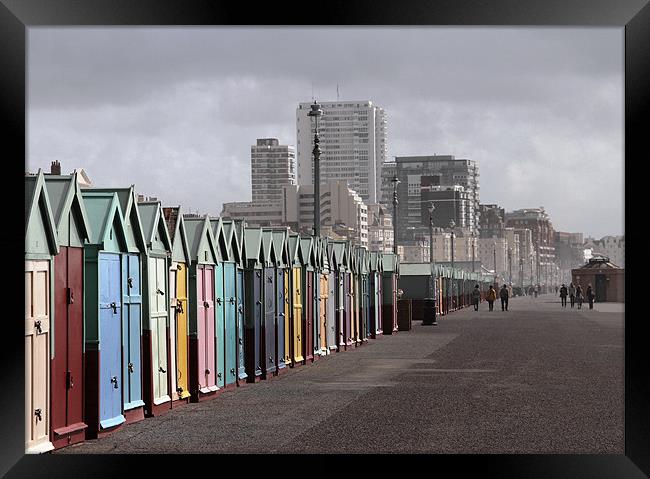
[[429, 312], [404, 314]]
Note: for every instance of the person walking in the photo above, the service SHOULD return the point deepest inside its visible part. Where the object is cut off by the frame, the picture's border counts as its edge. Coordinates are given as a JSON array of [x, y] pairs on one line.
[[491, 297], [572, 294], [590, 296], [579, 296], [476, 297], [504, 294], [563, 295]]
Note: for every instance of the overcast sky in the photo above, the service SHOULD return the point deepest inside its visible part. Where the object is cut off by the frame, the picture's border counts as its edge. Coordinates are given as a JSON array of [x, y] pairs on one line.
[[175, 111]]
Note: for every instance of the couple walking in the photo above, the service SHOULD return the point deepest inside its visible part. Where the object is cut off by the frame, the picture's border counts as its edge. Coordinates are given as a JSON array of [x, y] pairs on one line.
[[491, 297]]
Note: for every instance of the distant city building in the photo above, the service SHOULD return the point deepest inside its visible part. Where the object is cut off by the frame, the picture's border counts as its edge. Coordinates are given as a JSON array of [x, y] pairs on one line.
[[569, 253], [542, 235], [450, 202], [342, 210], [380, 228], [613, 247], [423, 178], [492, 221], [488, 248], [272, 167], [255, 214], [353, 141], [513, 255], [527, 255]]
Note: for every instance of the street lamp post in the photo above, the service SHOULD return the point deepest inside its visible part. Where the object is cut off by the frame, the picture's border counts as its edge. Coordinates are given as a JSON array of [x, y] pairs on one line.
[[452, 224], [395, 182], [495, 258], [430, 303], [316, 113], [510, 265], [473, 251]]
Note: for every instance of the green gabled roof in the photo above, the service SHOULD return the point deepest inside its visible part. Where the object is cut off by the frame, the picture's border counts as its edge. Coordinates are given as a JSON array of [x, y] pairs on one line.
[[307, 250], [339, 254], [220, 238], [176, 230], [364, 263], [128, 201], [198, 232], [252, 246], [65, 195], [280, 245], [103, 210], [153, 221], [235, 252], [295, 253], [325, 254], [37, 202], [269, 254]]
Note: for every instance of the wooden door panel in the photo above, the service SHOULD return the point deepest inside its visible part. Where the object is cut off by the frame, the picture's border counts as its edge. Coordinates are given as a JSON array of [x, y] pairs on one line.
[[75, 342], [182, 370]]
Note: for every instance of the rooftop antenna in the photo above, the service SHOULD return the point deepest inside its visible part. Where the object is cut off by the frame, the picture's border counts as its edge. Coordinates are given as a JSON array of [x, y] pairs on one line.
[[312, 90]]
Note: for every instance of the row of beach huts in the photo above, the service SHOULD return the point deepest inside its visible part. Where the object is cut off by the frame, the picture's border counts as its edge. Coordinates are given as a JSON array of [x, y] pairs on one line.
[[132, 308]]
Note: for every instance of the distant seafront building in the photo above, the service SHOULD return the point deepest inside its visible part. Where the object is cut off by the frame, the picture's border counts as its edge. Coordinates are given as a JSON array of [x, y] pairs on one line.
[[353, 142], [272, 167], [612, 247], [542, 237], [443, 179]]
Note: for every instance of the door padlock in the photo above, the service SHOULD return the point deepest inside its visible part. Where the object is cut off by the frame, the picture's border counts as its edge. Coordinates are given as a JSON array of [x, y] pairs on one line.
[[219, 301], [206, 304], [114, 306], [179, 306], [114, 382], [231, 300], [271, 358], [37, 325], [129, 281], [207, 371], [219, 375], [130, 367], [241, 341], [37, 413], [232, 371], [160, 292], [160, 369]]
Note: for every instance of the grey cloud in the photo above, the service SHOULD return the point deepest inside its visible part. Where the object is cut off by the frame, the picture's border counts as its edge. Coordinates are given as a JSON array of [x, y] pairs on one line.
[[176, 110]]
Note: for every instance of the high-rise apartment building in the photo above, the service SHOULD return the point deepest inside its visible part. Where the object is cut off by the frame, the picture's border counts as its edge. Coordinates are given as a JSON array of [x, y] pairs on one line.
[[272, 167], [492, 221], [418, 176], [352, 141]]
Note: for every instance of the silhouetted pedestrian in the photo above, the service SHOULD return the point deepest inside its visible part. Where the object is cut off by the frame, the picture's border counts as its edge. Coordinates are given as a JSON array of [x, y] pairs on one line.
[[563, 295], [572, 294], [579, 296], [476, 297], [504, 294], [590, 296], [491, 297]]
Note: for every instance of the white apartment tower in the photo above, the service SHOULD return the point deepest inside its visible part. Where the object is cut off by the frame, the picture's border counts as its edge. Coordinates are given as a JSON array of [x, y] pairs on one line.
[[353, 145], [272, 167]]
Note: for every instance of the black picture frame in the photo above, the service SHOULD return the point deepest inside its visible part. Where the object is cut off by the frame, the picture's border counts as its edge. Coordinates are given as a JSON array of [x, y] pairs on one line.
[[632, 15]]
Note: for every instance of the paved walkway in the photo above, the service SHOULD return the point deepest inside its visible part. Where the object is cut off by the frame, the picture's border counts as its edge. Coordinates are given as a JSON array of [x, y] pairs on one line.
[[535, 379]]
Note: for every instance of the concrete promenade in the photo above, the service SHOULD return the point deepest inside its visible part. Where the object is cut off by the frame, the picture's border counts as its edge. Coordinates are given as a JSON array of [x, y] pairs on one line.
[[535, 379]]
